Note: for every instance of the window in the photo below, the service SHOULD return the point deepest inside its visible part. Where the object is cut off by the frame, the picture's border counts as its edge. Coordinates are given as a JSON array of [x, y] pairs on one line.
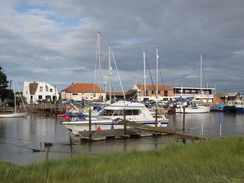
[[119, 112], [165, 93], [51, 90], [46, 88], [40, 97], [41, 89], [74, 93]]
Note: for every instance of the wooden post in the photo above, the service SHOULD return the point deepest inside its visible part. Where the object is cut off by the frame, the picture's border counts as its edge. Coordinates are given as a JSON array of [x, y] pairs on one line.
[[124, 124], [184, 122], [220, 130], [46, 153], [156, 117], [90, 134]]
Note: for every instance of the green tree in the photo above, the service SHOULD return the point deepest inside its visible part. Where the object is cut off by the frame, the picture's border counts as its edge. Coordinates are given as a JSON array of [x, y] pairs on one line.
[[4, 92]]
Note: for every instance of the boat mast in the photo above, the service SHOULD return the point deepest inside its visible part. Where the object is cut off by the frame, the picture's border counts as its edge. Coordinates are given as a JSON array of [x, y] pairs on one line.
[[201, 76], [144, 78], [99, 62], [109, 72], [157, 57], [201, 71], [15, 99]]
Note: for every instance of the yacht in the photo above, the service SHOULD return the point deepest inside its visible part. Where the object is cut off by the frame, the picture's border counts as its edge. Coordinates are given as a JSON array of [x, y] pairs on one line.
[[134, 111]]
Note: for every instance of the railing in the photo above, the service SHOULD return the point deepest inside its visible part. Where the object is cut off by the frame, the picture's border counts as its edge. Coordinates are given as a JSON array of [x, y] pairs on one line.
[[194, 95]]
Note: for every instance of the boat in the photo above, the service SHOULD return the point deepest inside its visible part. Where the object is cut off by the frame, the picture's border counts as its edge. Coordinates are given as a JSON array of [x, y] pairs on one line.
[[14, 113], [189, 107], [190, 104], [218, 108], [194, 108], [134, 111], [235, 106]]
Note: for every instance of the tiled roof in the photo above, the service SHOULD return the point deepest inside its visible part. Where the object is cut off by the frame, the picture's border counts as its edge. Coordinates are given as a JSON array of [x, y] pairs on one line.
[[153, 87], [33, 88], [83, 88]]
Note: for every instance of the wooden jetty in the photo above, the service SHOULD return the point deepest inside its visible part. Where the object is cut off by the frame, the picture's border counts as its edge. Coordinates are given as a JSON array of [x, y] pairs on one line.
[[136, 130]]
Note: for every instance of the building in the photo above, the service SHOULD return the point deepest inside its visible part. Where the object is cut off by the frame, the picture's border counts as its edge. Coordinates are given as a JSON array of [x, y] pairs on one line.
[[165, 92], [204, 95], [83, 91], [35, 92], [225, 97], [129, 95]]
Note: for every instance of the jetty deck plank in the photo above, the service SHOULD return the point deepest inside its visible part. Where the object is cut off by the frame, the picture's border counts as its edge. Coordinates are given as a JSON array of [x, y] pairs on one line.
[[162, 130], [136, 129], [114, 133]]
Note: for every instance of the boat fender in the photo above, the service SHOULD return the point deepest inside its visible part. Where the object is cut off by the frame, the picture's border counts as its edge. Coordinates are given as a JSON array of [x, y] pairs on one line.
[[67, 118], [160, 111]]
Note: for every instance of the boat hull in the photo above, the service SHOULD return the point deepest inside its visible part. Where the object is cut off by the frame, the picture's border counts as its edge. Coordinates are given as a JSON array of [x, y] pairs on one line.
[[196, 110], [76, 127], [13, 115]]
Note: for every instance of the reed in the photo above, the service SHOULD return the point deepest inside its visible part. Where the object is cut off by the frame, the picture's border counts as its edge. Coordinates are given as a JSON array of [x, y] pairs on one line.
[[215, 160]]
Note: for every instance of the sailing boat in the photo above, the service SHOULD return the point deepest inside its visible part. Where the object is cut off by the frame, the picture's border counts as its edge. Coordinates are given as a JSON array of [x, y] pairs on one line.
[[193, 107], [15, 113]]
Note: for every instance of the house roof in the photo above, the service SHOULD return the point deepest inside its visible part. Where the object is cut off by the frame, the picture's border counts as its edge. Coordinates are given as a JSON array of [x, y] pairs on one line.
[[83, 88], [217, 99], [227, 94], [153, 87], [33, 88]]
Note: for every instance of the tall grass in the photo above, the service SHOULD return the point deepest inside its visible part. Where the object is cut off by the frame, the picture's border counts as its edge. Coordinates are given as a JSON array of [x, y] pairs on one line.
[[216, 160]]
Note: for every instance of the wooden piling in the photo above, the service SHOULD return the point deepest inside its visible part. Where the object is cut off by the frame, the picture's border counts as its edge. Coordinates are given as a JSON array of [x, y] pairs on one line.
[[90, 132], [124, 124]]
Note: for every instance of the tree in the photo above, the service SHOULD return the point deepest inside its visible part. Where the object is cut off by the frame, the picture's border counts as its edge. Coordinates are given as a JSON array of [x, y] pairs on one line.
[[4, 92]]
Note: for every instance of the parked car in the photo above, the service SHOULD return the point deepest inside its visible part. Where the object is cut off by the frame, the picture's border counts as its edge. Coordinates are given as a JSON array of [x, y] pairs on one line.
[[10, 103]]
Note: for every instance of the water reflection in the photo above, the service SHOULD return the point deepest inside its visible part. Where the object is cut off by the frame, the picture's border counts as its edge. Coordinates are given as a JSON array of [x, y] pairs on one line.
[[19, 137]]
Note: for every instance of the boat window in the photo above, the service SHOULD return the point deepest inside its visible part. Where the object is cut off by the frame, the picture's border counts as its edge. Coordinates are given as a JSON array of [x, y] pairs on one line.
[[107, 112], [132, 112], [119, 112]]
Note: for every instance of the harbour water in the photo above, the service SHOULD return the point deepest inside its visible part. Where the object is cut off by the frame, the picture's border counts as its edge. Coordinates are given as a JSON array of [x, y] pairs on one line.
[[22, 140]]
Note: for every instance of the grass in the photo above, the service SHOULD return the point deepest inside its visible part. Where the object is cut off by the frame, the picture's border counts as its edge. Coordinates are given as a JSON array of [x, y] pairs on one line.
[[217, 160]]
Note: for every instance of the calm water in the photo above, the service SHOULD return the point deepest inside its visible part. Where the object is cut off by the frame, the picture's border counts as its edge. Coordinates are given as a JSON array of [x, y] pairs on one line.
[[18, 137]]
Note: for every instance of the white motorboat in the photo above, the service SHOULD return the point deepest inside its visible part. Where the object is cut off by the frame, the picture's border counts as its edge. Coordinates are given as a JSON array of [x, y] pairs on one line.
[[134, 111]]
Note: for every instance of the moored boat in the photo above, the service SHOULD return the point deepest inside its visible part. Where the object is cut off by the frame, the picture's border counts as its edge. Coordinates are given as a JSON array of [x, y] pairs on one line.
[[236, 106], [134, 111], [13, 114]]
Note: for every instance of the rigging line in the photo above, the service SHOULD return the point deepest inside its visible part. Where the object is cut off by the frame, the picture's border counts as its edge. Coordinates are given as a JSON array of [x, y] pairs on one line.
[[118, 74], [161, 76], [22, 100], [37, 150], [150, 75], [21, 146], [40, 142], [23, 139]]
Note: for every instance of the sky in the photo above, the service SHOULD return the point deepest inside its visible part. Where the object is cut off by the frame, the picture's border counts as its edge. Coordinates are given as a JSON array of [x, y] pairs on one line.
[[57, 42]]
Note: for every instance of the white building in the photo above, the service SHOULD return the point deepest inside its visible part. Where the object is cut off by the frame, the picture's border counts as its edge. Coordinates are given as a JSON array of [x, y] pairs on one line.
[[204, 95], [80, 91], [39, 91]]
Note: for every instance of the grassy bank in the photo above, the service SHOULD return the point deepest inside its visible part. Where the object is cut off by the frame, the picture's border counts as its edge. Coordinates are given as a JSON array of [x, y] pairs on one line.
[[216, 160]]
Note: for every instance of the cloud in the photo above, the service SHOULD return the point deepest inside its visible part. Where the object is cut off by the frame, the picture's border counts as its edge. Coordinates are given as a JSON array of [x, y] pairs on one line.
[[56, 41]]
